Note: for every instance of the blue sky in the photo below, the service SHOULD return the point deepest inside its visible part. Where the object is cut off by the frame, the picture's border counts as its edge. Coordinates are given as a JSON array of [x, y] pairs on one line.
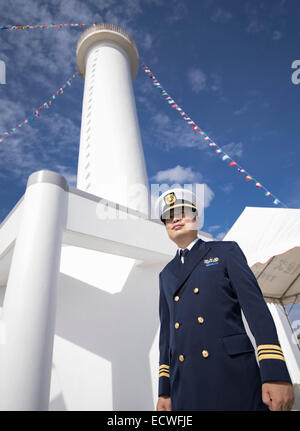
[[226, 63]]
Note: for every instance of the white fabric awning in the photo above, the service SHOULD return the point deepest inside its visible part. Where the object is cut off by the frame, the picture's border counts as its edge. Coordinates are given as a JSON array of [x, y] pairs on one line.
[[270, 240]]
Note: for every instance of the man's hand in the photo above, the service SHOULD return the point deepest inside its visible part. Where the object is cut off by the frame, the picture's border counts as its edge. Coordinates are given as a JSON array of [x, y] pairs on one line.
[[164, 403], [278, 395]]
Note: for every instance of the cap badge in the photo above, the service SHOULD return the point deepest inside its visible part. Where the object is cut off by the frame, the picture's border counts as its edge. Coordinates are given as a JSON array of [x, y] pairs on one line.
[[170, 198]]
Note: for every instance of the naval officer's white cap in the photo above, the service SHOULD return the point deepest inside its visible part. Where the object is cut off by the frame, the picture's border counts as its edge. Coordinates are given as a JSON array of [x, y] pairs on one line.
[[174, 198]]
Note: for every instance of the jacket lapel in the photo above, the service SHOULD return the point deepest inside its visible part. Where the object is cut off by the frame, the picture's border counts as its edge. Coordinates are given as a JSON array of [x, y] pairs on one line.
[[180, 272]]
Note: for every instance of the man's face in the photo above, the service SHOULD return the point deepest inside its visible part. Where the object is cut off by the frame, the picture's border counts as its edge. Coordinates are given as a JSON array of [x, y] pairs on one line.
[[181, 221]]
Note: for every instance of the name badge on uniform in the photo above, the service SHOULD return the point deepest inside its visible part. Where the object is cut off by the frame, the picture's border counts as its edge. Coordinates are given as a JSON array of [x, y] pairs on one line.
[[211, 261]]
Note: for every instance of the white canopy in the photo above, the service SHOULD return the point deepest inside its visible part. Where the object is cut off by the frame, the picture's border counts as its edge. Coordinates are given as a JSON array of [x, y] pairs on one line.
[[270, 239]]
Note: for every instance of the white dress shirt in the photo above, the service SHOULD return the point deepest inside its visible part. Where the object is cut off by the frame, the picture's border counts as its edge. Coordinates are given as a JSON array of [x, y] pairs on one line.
[[189, 247]]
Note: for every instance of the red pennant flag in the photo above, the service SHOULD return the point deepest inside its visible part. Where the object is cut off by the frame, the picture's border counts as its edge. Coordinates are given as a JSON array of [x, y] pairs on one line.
[[232, 163]]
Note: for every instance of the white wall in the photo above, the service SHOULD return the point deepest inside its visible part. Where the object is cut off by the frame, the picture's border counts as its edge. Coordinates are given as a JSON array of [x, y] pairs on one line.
[[106, 344]]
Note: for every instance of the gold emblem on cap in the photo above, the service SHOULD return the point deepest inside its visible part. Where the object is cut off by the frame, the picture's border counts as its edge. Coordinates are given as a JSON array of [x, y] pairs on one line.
[[170, 198]]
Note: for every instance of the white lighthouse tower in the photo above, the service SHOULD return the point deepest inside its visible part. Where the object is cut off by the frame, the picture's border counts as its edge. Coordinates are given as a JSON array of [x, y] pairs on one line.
[[111, 160]]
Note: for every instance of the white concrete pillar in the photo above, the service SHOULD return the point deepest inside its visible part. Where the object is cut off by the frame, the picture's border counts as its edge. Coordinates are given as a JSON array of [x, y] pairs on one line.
[[111, 159], [30, 299]]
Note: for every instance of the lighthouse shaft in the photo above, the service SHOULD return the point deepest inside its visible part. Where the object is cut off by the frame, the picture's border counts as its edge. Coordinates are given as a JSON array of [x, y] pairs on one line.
[[111, 159]]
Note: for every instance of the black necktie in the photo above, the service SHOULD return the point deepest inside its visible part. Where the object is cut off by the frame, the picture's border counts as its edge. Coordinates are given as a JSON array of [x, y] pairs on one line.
[[184, 253]]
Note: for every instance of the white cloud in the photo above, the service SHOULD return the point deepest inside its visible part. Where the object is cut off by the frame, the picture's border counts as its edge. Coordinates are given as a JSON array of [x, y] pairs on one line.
[[147, 42], [213, 228], [234, 149], [217, 82], [178, 10], [42, 144], [179, 135], [155, 2], [161, 119], [255, 26], [242, 109], [197, 79], [277, 35], [170, 132], [220, 236], [179, 174], [68, 173], [227, 188], [208, 195], [221, 16]]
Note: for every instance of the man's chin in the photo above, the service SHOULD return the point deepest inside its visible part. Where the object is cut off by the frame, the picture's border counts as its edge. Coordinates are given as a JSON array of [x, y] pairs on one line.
[[179, 232]]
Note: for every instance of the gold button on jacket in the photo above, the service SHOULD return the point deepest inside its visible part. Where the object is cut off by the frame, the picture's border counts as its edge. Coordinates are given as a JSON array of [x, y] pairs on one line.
[[196, 290], [177, 325], [200, 319], [181, 358], [205, 353], [176, 298]]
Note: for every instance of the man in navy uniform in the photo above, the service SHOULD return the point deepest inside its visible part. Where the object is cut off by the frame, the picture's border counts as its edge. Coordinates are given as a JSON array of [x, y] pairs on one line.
[[207, 361]]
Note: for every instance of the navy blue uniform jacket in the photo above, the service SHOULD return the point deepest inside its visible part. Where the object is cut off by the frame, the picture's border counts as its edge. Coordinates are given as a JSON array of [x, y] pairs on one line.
[[207, 361]]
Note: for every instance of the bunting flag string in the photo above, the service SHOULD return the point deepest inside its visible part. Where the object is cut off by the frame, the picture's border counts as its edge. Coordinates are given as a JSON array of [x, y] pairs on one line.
[[37, 111], [41, 27], [218, 150]]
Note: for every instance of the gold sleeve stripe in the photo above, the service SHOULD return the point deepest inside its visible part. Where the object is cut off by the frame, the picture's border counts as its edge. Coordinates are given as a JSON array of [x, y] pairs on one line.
[[164, 374], [271, 357], [268, 352], [276, 352], [268, 346], [164, 367]]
